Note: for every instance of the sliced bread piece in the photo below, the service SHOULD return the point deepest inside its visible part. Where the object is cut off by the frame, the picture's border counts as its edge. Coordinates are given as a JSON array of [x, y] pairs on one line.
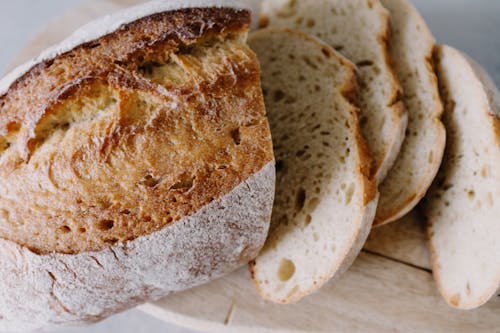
[[463, 206], [359, 29], [325, 200], [422, 151]]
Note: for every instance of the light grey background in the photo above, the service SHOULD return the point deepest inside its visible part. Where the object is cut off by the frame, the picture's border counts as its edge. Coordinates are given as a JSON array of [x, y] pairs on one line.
[[470, 25]]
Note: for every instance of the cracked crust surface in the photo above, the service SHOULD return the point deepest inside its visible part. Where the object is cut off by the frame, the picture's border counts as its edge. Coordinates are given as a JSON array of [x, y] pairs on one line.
[[130, 132], [42, 291], [141, 165]]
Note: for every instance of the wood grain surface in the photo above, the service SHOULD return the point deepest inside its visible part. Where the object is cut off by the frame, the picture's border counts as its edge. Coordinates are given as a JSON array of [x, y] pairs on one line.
[[388, 289]]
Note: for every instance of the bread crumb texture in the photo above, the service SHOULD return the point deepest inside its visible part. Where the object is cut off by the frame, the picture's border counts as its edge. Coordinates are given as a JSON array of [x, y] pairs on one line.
[[463, 206], [322, 164], [359, 30], [124, 135]]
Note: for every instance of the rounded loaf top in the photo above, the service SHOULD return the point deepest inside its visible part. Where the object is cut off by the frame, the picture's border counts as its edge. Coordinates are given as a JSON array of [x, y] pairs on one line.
[[123, 135]]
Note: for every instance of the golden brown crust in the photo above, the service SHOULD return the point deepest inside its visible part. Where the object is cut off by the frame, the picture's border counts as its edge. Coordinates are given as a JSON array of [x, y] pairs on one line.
[[123, 135], [349, 91]]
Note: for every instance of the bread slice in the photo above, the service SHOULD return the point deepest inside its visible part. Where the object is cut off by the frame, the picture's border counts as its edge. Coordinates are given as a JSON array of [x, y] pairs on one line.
[[325, 200], [463, 206], [359, 29], [140, 165], [422, 151]]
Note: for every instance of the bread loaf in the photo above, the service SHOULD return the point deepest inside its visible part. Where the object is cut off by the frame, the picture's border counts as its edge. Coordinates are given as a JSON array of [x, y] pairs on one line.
[[463, 206], [359, 30], [136, 161], [325, 199]]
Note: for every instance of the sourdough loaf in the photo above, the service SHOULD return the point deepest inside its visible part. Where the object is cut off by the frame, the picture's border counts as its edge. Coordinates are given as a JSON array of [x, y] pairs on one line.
[[325, 200], [422, 150], [360, 30], [136, 161], [463, 206]]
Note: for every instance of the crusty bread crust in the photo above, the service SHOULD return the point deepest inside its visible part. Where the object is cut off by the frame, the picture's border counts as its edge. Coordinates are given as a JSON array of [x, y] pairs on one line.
[[127, 133], [141, 165], [109, 24], [41, 291]]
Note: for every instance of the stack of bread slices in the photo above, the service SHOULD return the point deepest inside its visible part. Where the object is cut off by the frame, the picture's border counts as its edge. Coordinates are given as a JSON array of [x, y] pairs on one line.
[[364, 109]]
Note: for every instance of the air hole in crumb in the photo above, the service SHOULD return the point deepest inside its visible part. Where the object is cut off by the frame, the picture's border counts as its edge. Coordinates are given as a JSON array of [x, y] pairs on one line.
[[65, 229], [236, 135], [79, 201], [106, 225], [125, 212], [364, 63], [82, 230], [484, 172], [286, 270], [278, 95], [300, 153], [308, 220], [349, 194], [300, 199], [309, 62], [471, 194], [313, 204], [311, 23], [147, 219]]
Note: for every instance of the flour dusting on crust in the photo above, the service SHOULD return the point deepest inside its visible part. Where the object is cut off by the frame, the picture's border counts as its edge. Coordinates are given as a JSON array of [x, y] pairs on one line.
[[82, 288]]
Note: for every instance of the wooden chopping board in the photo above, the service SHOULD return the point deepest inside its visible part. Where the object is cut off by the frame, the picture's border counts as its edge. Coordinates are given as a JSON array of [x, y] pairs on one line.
[[388, 289]]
